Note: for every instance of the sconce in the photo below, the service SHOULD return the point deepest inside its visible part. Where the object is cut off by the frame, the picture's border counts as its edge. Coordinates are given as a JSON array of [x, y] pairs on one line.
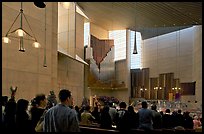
[[21, 33]]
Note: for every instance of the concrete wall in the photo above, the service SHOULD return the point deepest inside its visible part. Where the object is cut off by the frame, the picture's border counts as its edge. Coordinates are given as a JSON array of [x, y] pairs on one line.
[[177, 52], [67, 29], [98, 32], [70, 76], [25, 70]]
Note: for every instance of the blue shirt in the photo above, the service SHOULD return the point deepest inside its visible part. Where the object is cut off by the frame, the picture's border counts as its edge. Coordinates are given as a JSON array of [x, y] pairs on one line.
[[145, 118], [61, 118]]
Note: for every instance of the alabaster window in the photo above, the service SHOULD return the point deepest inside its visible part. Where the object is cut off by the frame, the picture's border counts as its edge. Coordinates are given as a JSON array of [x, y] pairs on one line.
[[119, 37], [136, 60]]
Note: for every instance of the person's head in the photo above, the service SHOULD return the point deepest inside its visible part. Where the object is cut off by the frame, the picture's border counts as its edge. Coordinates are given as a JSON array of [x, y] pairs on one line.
[[65, 97], [87, 107], [154, 107], [105, 109], [167, 111], [22, 105], [4, 100], [123, 105], [161, 112], [110, 104], [179, 111], [41, 100], [144, 104], [131, 109]]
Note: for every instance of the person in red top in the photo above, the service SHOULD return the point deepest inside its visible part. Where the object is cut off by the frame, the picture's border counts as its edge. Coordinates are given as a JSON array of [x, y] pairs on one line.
[[196, 122]]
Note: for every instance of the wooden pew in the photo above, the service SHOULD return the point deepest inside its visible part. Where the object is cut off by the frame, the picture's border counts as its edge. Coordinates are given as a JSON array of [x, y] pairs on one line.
[[96, 130]]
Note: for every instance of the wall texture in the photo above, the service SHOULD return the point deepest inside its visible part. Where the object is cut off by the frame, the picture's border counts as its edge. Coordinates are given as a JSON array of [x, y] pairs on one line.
[[179, 53], [25, 70]]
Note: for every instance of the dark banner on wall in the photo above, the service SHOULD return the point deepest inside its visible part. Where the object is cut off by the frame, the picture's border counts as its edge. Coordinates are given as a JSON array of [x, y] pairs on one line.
[[188, 88]]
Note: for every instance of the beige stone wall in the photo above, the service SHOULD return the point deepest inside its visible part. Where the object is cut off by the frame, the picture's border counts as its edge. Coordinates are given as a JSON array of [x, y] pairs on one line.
[[70, 76], [25, 70], [121, 74], [67, 29], [80, 35], [185, 63], [71, 71], [197, 64]]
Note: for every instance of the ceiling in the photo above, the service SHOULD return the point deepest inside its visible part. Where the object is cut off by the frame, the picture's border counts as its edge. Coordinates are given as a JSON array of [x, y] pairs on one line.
[[149, 18]]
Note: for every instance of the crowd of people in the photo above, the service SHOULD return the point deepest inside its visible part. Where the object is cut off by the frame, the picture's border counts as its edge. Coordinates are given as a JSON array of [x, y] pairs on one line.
[[62, 116]]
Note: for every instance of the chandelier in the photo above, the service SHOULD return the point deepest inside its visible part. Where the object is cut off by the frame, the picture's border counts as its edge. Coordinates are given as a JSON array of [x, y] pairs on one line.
[[20, 33]]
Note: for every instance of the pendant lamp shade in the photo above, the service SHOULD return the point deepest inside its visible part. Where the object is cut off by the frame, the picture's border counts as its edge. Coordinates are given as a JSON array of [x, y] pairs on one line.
[[135, 45]]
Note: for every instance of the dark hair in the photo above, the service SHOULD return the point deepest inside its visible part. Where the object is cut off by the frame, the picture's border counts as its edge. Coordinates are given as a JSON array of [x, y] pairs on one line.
[[39, 97], [130, 109], [154, 107], [22, 105], [123, 104], [144, 104], [87, 108], [64, 94], [167, 111], [179, 111], [105, 109], [4, 100]]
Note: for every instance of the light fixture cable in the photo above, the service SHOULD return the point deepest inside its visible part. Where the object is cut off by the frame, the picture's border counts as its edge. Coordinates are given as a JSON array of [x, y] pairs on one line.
[[135, 39], [45, 63]]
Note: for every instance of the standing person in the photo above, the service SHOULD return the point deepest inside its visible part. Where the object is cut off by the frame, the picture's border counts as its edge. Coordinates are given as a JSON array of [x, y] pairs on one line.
[[105, 121], [188, 120], [38, 110], [132, 117], [51, 100], [78, 113], [61, 118], [157, 117], [23, 124], [112, 112], [96, 114], [167, 120], [121, 120], [145, 117], [196, 122], [179, 119], [10, 113], [86, 117], [4, 100]]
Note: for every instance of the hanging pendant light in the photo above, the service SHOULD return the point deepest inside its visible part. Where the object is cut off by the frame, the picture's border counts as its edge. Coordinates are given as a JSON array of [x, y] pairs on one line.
[[135, 39], [135, 45], [45, 63], [20, 33]]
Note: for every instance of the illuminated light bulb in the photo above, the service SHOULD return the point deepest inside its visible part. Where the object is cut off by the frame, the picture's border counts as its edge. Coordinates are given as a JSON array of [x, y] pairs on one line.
[[20, 32], [36, 44], [6, 40]]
